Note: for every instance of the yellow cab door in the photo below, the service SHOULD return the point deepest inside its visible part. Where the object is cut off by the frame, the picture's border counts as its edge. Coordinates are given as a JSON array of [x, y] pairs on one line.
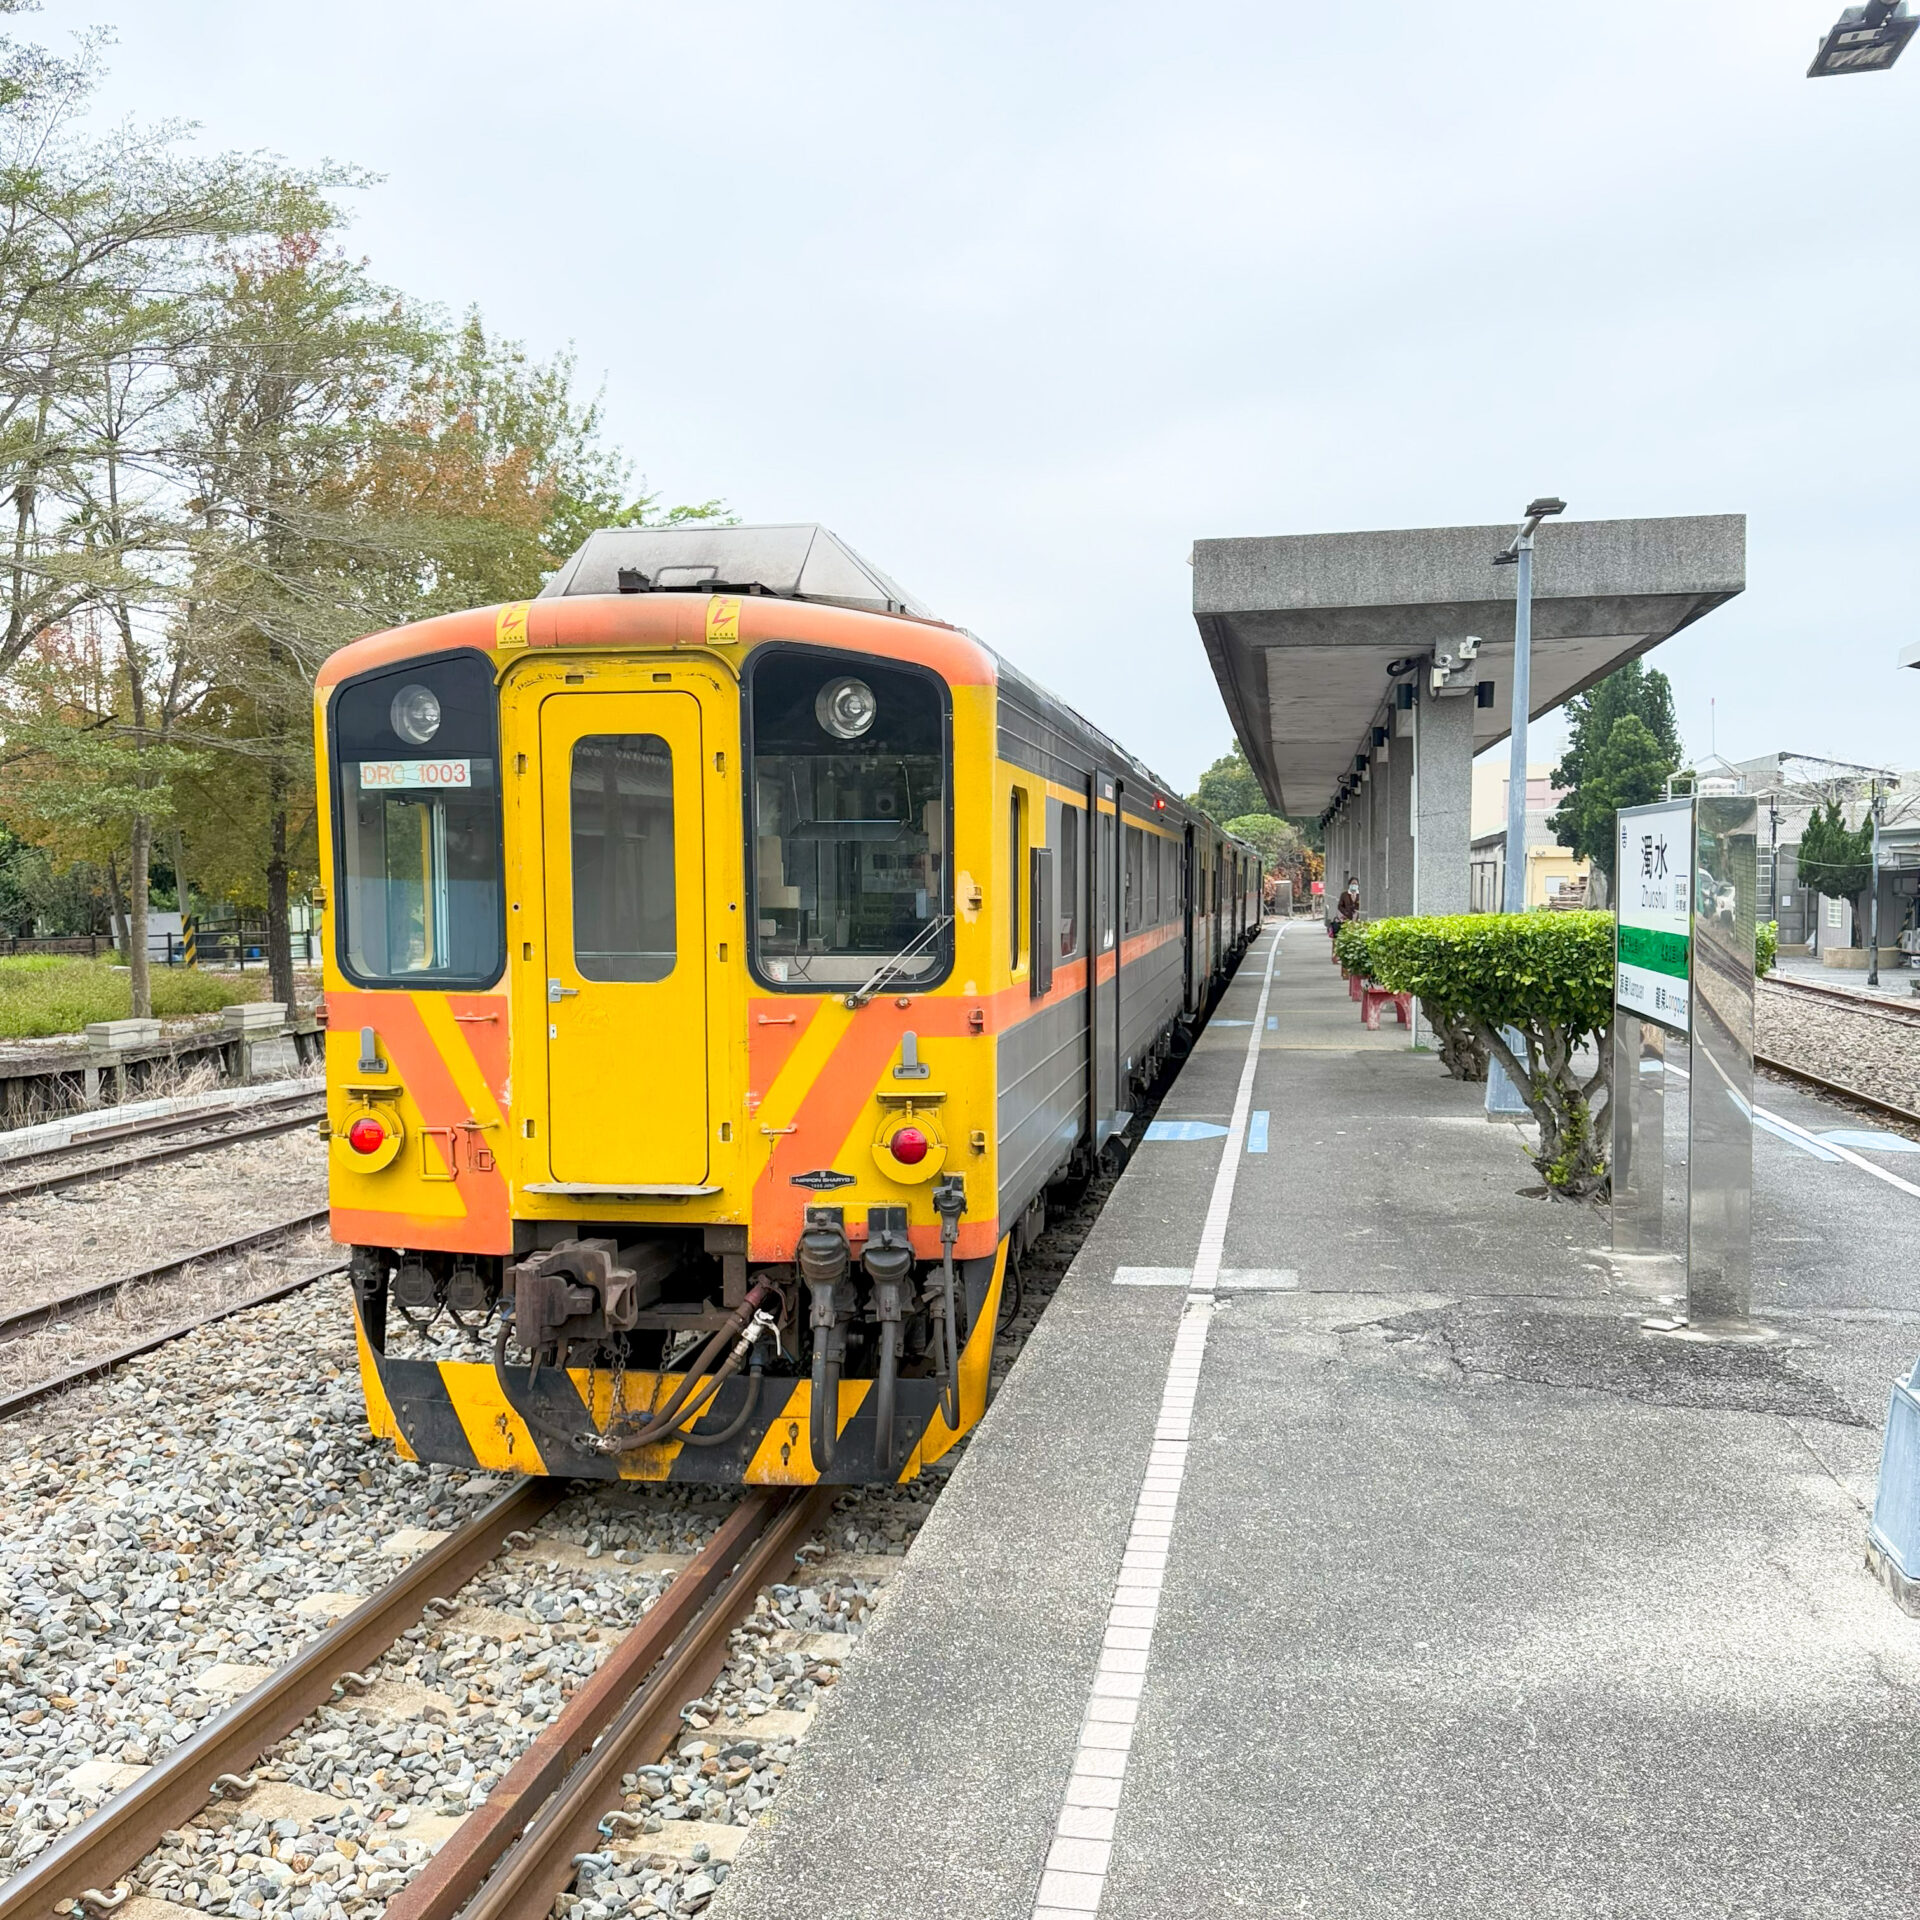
[[625, 939]]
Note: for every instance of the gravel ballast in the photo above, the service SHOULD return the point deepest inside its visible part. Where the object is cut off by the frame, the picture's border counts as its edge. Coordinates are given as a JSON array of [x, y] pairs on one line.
[[1874, 1051]]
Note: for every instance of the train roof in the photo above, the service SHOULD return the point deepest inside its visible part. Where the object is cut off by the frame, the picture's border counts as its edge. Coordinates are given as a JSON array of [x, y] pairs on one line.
[[804, 561]]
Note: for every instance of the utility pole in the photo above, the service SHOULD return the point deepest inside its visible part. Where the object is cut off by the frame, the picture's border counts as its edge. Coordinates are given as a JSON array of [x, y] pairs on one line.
[[1873, 898], [1773, 858]]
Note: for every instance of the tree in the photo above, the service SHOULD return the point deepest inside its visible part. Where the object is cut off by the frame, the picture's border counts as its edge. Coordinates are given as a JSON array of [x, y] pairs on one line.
[[1283, 852], [1837, 860], [1229, 789], [1629, 768], [1598, 771]]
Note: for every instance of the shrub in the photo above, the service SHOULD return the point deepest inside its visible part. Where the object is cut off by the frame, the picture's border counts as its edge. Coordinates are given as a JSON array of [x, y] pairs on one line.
[[1766, 946], [1544, 980]]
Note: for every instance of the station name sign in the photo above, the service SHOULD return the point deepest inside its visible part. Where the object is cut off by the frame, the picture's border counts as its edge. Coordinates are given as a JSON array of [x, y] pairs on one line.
[[391, 774], [1653, 925]]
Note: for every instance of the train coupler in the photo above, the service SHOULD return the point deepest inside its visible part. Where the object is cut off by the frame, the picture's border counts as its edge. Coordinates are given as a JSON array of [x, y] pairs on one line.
[[825, 1262]]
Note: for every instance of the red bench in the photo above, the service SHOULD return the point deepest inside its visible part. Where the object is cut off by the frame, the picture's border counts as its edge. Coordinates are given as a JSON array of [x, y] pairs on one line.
[[1373, 997]]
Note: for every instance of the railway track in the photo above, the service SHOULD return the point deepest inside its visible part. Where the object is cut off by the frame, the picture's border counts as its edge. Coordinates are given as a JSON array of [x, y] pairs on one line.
[[511, 1856], [1820, 1084], [1857, 1002], [29, 1320], [105, 1130], [58, 1180]]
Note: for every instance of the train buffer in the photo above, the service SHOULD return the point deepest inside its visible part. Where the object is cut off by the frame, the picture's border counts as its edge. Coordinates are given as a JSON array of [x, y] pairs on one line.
[[1360, 1554]]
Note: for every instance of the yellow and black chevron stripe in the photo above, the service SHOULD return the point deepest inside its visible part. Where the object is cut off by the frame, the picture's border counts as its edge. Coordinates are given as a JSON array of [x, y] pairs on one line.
[[464, 1414]]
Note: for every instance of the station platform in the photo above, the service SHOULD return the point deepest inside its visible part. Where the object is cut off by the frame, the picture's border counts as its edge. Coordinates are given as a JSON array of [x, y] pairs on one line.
[[1340, 1544]]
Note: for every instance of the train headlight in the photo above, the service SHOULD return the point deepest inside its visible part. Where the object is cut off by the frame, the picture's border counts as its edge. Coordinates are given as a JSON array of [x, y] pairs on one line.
[[370, 1137], [415, 714], [908, 1145], [845, 708]]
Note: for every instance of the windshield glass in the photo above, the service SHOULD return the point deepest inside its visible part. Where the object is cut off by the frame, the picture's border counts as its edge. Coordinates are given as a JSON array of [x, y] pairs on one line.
[[418, 825], [849, 786]]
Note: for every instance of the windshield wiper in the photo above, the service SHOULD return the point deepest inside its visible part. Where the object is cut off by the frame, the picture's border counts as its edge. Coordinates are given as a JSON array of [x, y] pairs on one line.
[[889, 969]]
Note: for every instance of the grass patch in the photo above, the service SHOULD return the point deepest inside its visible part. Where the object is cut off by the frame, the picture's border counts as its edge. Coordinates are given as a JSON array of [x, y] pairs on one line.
[[42, 995]]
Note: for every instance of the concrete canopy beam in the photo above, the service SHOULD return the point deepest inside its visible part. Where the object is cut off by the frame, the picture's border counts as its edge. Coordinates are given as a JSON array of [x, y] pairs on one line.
[[1300, 628]]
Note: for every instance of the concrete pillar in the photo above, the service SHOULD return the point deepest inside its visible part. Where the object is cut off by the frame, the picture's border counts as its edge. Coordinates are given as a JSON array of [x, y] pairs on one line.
[[1400, 817], [1443, 804], [1379, 814]]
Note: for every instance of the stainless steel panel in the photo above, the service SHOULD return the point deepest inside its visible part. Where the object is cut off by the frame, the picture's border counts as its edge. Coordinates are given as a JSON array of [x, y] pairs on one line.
[[1720, 1110], [1639, 1103]]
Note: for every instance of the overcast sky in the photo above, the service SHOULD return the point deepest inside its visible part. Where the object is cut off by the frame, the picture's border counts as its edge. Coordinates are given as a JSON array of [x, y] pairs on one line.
[[1021, 300]]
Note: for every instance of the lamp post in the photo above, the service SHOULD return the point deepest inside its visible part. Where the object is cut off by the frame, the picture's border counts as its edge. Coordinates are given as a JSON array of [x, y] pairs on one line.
[[1865, 39], [1503, 1097]]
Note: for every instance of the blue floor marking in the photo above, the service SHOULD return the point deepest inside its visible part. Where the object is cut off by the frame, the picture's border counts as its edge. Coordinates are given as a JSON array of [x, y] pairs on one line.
[[1863, 1141], [1273, 1023], [1185, 1129], [1257, 1133], [1229, 1023], [1794, 1139]]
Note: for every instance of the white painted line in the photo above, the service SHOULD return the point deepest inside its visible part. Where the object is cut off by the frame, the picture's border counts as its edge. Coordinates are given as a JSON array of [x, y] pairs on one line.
[[1779, 1123], [1074, 1879], [1232, 1279]]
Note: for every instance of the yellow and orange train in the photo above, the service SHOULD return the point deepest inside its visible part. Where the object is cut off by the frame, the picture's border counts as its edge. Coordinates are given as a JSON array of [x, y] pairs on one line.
[[725, 959]]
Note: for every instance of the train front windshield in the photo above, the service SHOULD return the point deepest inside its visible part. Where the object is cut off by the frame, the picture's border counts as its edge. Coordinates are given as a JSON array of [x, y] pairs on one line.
[[849, 783], [417, 826]]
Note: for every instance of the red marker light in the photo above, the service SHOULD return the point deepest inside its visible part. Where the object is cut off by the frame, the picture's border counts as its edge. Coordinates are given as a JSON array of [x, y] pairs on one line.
[[908, 1146], [366, 1135]]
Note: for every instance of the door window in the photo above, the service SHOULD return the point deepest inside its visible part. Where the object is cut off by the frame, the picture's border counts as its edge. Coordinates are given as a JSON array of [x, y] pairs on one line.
[[621, 817]]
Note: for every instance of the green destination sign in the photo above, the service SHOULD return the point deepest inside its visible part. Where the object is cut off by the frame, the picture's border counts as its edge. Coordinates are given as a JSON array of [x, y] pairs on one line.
[[1657, 952]]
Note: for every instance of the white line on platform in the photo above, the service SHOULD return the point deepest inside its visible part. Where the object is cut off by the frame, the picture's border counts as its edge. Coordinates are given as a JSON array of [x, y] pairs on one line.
[[1779, 1123], [1074, 1880]]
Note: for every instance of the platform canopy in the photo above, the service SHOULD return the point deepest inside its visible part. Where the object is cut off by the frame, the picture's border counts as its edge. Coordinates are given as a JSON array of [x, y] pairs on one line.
[[1303, 628]]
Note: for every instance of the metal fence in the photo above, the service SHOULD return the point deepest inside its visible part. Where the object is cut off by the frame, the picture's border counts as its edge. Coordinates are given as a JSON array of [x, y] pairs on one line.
[[240, 947]]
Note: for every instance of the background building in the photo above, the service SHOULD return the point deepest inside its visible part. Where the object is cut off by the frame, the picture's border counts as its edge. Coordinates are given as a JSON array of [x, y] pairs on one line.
[[1551, 869]]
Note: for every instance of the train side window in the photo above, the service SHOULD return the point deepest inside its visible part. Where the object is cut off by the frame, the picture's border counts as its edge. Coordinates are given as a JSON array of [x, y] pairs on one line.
[[1134, 881], [1155, 845], [1066, 842], [621, 820]]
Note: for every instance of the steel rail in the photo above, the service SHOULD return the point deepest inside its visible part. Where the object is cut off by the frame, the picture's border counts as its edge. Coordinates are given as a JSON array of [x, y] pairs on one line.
[[25, 1397], [539, 1865], [78, 1176], [765, 1523], [1860, 1002], [32, 1319], [110, 1131], [1834, 1087], [106, 1848]]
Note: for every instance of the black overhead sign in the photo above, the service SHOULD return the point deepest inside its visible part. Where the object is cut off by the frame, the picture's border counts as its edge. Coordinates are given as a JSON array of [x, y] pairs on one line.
[[1855, 47]]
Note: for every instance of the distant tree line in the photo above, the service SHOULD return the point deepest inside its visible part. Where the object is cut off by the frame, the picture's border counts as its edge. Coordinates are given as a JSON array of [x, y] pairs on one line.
[[1231, 796], [226, 449]]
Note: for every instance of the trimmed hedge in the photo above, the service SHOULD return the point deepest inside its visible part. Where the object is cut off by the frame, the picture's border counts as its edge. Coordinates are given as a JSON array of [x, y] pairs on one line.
[[1542, 979], [1766, 946]]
